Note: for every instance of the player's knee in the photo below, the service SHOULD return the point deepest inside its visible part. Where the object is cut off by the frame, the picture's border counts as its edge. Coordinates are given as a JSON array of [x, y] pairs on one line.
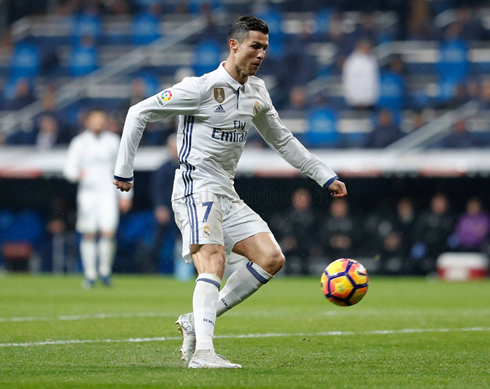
[[276, 260]]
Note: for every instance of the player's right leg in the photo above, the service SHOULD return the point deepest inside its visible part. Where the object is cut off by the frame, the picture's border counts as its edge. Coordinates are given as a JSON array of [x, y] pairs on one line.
[[200, 221], [209, 260], [88, 252], [87, 226]]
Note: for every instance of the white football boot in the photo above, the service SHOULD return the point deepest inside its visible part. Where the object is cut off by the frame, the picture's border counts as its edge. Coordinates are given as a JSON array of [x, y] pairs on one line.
[[206, 359], [185, 324]]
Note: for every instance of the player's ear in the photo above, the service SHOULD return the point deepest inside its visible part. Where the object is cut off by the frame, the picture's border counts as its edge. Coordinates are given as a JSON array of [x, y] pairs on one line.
[[233, 45]]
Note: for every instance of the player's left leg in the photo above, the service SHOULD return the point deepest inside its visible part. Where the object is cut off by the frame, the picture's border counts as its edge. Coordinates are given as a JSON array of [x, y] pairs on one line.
[[107, 221], [106, 248], [266, 259]]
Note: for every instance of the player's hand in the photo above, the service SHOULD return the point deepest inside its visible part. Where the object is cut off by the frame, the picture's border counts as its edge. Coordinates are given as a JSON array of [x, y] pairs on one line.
[[162, 214], [123, 186], [337, 189], [125, 205]]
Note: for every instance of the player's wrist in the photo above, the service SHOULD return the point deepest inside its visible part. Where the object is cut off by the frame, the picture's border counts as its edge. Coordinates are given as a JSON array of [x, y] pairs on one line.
[[330, 181], [118, 178]]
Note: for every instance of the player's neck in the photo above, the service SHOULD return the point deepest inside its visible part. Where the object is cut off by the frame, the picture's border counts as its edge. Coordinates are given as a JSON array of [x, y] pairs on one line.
[[234, 71]]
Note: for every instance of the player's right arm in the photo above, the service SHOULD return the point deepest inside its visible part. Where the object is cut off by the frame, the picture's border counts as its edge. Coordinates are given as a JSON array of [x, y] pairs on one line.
[[71, 170], [182, 99]]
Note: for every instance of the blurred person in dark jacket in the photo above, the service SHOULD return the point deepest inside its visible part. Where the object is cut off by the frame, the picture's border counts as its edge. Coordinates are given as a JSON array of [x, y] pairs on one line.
[[23, 96], [459, 138], [431, 234], [339, 231], [296, 232], [385, 133], [161, 194]]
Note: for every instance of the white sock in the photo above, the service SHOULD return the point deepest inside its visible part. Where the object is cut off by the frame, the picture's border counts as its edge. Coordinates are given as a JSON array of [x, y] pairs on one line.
[[204, 305], [88, 252], [241, 284], [106, 253]]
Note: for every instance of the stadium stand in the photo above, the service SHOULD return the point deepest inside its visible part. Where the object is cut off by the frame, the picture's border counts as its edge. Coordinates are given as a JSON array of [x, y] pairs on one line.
[[434, 82]]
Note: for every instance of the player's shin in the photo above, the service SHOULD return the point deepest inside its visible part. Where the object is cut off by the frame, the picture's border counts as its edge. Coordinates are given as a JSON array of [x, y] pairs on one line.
[[204, 306], [88, 252], [106, 247], [240, 285]]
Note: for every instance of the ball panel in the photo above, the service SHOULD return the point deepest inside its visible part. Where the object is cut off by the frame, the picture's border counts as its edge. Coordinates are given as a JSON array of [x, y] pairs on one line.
[[324, 283], [337, 302], [340, 287], [337, 266], [358, 295], [358, 273]]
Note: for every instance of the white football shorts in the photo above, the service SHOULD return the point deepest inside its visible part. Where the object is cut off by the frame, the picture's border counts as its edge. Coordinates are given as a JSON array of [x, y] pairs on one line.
[[96, 212], [206, 218]]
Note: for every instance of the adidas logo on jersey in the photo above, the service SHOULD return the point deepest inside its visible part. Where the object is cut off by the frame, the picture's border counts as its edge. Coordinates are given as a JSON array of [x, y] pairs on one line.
[[220, 109]]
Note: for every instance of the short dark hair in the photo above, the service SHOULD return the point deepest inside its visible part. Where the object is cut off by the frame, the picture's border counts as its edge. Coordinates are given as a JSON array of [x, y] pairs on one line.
[[242, 26]]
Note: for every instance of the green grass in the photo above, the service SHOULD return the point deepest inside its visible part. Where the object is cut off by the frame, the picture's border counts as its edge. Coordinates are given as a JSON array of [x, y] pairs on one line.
[[438, 359]]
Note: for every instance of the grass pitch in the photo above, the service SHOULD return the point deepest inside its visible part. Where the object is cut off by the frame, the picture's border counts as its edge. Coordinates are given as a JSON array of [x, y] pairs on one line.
[[405, 333]]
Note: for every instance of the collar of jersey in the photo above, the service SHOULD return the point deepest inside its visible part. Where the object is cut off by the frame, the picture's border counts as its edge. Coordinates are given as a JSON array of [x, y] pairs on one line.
[[229, 79]]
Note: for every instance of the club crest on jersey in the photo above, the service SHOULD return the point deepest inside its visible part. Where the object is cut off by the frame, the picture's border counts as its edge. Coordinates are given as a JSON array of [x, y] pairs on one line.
[[256, 108], [219, 95], [206, 232]]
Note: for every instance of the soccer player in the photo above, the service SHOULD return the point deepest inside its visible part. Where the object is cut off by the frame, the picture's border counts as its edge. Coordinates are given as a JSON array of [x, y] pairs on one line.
[[216, 112], [90, 163]]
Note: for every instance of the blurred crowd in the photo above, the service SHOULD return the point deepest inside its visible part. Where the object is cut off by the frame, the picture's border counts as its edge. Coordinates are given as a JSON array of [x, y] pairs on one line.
[[372, 86], [403, 240]]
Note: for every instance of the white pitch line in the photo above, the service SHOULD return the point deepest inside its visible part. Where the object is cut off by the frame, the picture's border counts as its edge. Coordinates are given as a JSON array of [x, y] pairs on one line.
[[84, 317], [275, 313], [248, 336]]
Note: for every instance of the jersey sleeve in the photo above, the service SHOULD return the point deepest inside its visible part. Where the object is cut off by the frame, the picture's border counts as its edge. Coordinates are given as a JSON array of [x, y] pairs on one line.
[[183, 98], [279, 138], [71, 170]]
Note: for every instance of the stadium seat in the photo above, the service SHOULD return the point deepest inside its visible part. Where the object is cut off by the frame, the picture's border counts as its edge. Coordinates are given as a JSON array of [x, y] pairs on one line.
[[86, 25], [453, 63], [322, 130], [145, 29], [206, 56], [83, 60], [276, 35], [25, 61], [392, 91]]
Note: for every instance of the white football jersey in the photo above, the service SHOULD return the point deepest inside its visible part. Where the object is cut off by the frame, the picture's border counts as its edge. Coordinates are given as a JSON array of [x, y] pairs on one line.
[[95, 156], [216, 113]]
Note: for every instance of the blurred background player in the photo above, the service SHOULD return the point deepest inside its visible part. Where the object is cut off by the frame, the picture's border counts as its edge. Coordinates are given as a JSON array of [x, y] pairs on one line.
[[90, 163]]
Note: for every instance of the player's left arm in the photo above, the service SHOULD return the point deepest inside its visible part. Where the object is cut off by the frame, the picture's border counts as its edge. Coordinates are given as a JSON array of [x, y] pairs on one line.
[[278, 137]]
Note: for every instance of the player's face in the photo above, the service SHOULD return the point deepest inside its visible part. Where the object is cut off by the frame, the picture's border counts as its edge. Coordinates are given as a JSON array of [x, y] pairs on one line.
[[251, 52], [96, 122]]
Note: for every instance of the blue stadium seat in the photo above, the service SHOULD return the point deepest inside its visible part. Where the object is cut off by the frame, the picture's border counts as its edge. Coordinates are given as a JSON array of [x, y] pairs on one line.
[[86, 25], [25, 61], [194, 6], [145, 29], [447, 89], [323, 21], [137, 226], [453, 63], [25, 226], [276, 35], [392, 91], [321, 128], [206, 56], [83, 61]]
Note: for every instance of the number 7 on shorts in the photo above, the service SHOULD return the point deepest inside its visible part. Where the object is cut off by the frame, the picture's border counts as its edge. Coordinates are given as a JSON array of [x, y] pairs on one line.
[[209, 204]]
